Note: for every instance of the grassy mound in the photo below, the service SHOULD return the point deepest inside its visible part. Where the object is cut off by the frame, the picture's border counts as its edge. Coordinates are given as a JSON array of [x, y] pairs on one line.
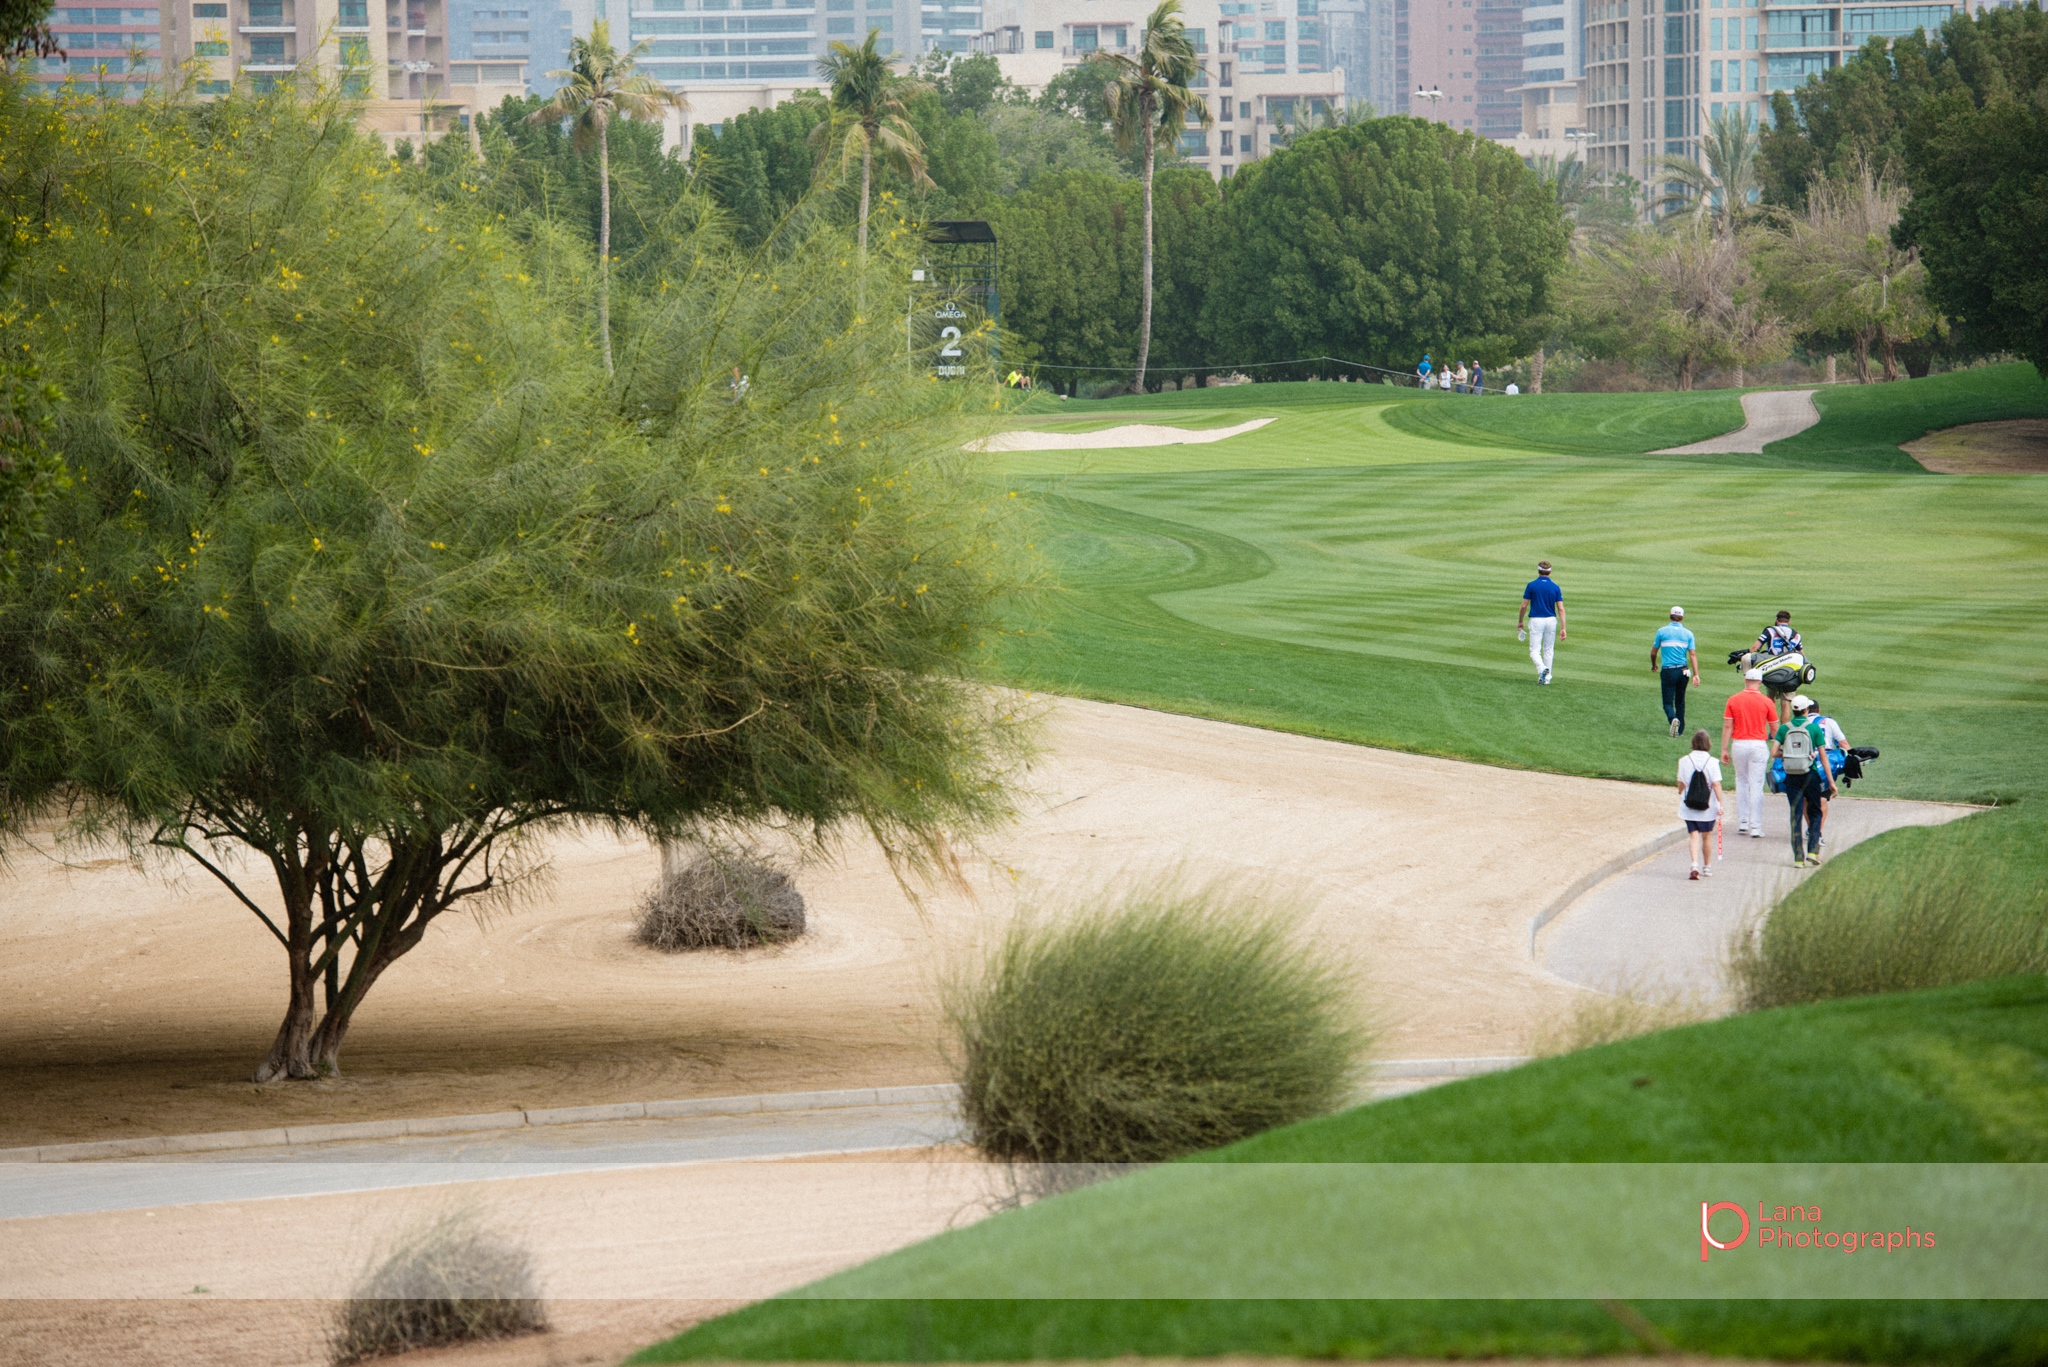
[[1874, 1080], [1919, 907], [1574, 424], [1171, 1023], [1864, 425]]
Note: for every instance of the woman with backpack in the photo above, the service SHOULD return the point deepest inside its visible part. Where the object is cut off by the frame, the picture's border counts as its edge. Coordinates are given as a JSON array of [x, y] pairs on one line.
[[1699, 802]]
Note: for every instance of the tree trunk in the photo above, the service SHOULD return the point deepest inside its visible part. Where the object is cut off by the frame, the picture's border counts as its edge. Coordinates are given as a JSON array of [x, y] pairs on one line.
[[290, 1053], [1536, 372], [1685, 372], [867, 180], [1830, 373], [1891, 354], [1738, 377], [1862, 358], [1145, 287], [604, 243]]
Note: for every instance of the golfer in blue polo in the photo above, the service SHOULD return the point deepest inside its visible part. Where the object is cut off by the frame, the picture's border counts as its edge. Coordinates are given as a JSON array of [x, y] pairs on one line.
[[1677, 662], [1541, 619]]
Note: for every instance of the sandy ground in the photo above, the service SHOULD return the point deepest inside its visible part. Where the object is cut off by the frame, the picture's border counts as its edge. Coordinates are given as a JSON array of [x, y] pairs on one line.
[[1771, 415], [2019, 447], [129, 1006], [1131, 434]]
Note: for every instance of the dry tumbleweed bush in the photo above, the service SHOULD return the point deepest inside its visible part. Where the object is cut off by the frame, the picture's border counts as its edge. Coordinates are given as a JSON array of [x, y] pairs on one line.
[[449, 1281], [721, 902]]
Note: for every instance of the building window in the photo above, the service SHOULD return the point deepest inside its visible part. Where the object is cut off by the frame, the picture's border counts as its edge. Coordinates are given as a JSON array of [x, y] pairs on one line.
[[1754, 84], [1276, 32], [1195, 144], [213, 87], [353, 14], [1714, 79], [1198, 38], [1223, 78], [210, 48], [1244, 111], [1227, 140], [838, 26], [267, 50], [1042, 39], [209, 11], [355, 51], [1223, 110]]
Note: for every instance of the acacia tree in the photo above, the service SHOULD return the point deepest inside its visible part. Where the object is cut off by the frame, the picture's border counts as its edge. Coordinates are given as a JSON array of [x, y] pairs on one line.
[[1840, 269], [600, 86], [1147, 93], [368, 571], [1688, 297], [866, 112]]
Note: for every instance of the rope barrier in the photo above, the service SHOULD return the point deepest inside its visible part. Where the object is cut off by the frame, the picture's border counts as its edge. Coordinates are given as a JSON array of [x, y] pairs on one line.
[[1232, 366]]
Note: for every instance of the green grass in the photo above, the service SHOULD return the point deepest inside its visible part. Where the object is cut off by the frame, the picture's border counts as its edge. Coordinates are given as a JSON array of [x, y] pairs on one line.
[[1868, 1080], [1377, 604], [1917, 907], [1577, 424], [1864, 425]]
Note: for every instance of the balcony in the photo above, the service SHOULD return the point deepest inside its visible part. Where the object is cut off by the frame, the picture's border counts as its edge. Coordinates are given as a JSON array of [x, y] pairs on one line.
[[1120, 51], [1783, 42]]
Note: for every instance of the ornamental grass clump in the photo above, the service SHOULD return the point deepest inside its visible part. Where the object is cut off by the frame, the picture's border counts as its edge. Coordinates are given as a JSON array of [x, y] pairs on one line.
[[1915, 908], [721, 902], [1163, 1024], [450, 1281]]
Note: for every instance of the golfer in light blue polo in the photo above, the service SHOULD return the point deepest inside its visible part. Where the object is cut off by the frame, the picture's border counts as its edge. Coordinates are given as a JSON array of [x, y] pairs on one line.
[[1677, 663], [1541, 619]]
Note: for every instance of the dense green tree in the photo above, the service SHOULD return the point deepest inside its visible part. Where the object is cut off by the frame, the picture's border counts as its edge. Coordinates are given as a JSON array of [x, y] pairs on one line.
[[24, 29], [757, 165], [1150, 94], [599, 88], [1384, 240], [1851, 115], [1071, 256], [1689, 298], [370, 572], [1078, 92], [1838, 271], [1033, 141], [1977, 160]]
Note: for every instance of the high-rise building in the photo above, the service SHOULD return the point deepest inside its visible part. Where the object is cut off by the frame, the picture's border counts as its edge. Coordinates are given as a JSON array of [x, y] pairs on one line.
[[1360, 39], [1658, 70], [1553, 71], [116, 50], [1443, 62]]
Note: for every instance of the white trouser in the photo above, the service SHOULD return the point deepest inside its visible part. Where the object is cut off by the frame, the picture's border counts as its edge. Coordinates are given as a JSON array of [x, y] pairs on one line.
[[1542, 640], [1752, 761]]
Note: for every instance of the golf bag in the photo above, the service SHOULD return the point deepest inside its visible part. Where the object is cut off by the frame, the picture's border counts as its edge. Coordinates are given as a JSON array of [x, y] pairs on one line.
[[1845, 765], [1784, 675]]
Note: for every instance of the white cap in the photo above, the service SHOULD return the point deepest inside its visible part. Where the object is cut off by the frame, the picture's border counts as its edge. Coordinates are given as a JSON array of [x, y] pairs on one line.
[[1754, 675], [1801, 703], [1678, 612]]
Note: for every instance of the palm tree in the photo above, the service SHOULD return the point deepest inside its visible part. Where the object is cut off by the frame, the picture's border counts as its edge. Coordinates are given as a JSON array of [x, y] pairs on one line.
[[867, 112], [1725, 186], [1145, 94], [599, 86]]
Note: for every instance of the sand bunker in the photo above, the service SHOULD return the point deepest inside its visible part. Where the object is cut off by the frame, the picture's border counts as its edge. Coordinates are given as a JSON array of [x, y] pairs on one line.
[[2019, 447], [1772, 415], [1130, 434], [128, 1007]]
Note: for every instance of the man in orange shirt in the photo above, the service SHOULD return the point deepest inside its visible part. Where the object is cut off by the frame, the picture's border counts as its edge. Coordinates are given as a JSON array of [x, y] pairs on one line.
[[1746, 724]]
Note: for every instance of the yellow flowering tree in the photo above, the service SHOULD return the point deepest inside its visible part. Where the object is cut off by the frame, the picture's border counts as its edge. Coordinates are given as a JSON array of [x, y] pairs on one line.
[[367, 569]]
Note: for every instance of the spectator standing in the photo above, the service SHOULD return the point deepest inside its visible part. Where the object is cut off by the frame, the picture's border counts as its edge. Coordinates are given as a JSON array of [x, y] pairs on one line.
[[1677, 662], [1478, 377], [1464, 377], [1699, 780], [1422, 371], [1802, 744], [1540, 621], [1746, 724], [1444, 380], [1512, 388]]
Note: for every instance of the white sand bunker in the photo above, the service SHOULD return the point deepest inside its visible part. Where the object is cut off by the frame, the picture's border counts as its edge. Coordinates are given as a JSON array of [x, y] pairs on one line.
[[1130, 434], [1771, 415]]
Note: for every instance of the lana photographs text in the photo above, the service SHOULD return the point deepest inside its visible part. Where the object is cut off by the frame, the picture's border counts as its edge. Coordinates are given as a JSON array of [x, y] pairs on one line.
[[1773, 1228]]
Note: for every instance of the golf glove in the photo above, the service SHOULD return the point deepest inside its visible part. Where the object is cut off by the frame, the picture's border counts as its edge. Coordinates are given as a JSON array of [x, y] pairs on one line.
[[1521, 634]]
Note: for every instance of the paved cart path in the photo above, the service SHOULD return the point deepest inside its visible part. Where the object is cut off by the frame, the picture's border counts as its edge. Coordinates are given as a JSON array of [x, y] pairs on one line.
[[1770, 415]]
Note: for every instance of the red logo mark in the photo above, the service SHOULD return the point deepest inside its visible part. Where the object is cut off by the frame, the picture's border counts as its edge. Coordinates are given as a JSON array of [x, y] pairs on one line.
[[1707, 1239]]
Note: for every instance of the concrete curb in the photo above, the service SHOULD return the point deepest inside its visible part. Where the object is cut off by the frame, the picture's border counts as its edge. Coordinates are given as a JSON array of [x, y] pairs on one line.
[[1585, 884], [159, 1146]]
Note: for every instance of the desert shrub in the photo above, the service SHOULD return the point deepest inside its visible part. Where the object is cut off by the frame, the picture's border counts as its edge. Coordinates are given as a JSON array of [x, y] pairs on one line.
[[721, 901], [1141, 1030], [450, 1281], [1595, 1018], [1920, 907]]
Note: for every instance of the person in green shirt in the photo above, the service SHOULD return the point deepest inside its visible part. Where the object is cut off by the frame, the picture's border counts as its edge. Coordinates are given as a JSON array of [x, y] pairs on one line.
[[1807, 781]]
